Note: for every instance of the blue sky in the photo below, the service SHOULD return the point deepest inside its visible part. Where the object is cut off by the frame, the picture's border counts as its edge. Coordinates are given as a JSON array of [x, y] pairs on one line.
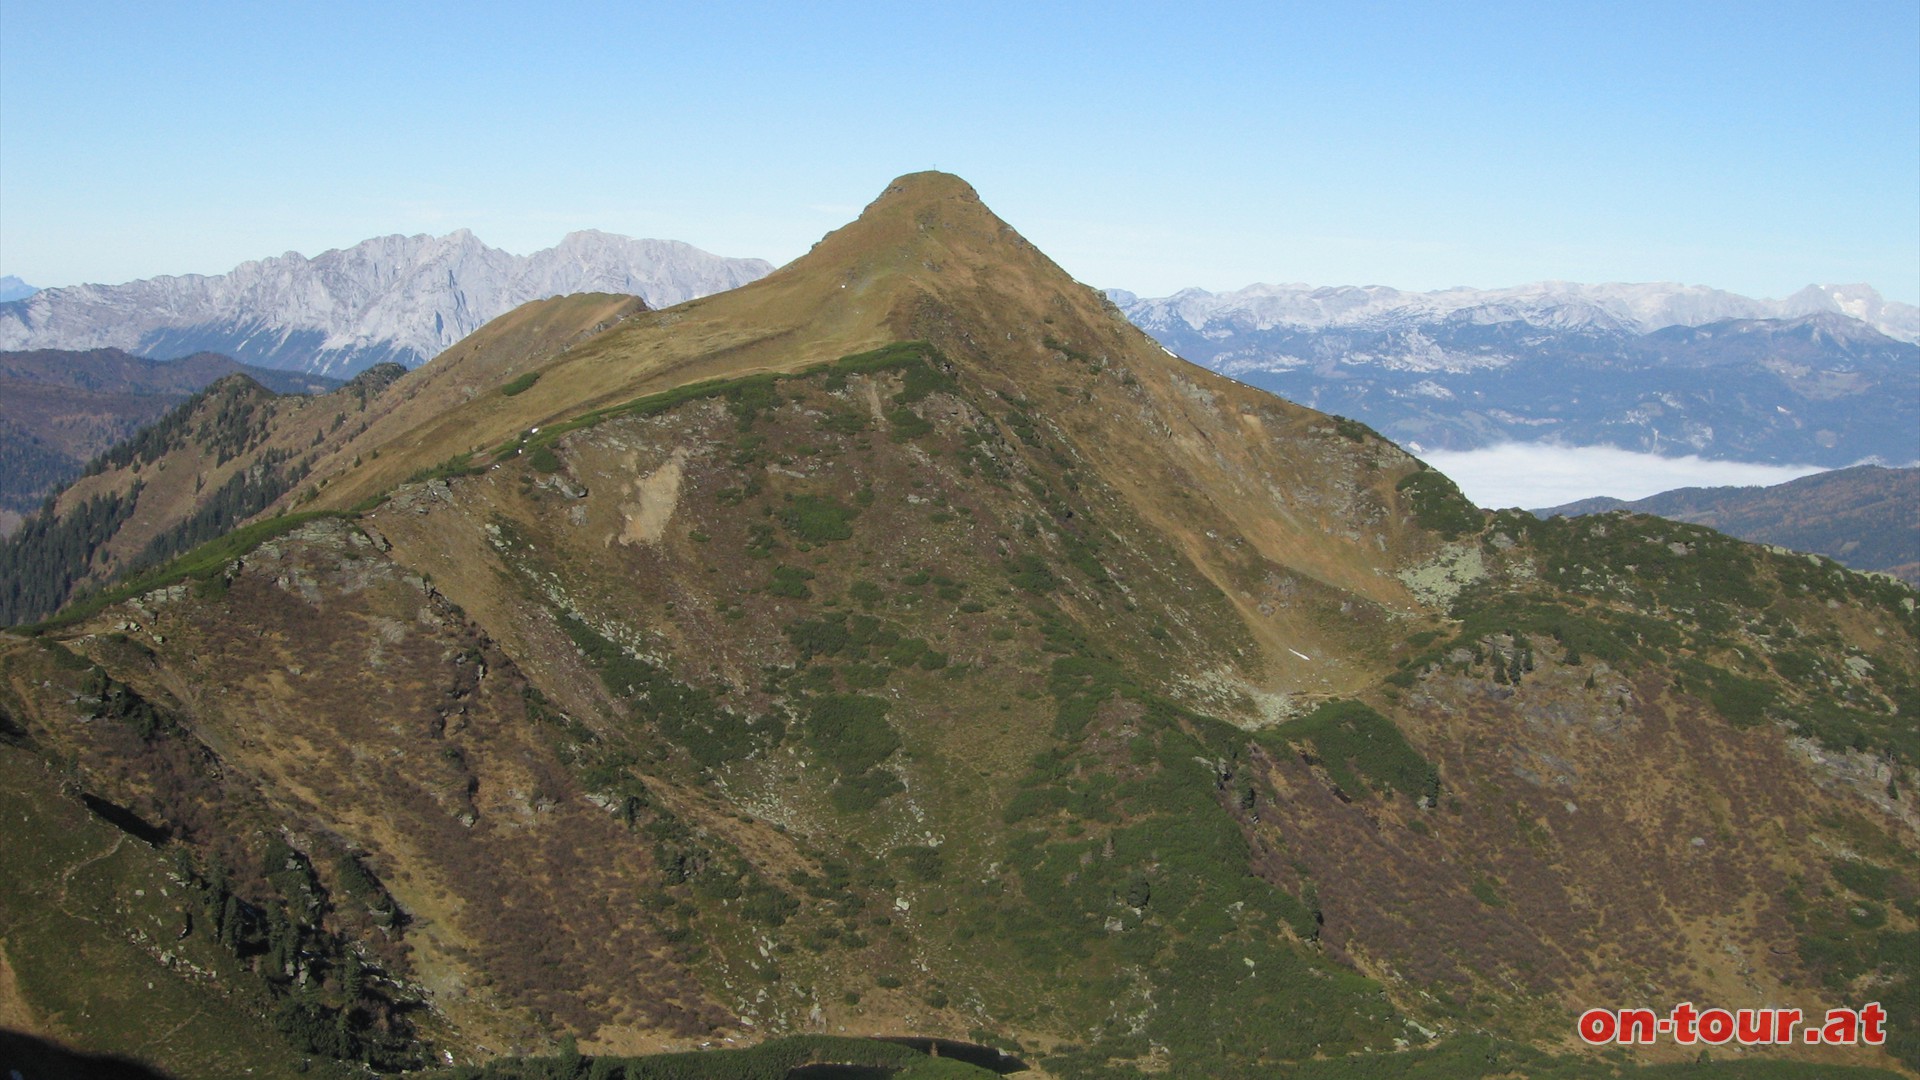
[[1755, 147]]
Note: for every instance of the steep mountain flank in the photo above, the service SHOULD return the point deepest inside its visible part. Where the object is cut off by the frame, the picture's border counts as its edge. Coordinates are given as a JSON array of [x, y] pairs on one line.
[[224, 455], [905, 644], [236, 449]]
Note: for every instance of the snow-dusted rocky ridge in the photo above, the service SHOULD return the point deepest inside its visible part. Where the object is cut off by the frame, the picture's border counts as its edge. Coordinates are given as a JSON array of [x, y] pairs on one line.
[[402, 298], [1827, 376], [1557, 305]]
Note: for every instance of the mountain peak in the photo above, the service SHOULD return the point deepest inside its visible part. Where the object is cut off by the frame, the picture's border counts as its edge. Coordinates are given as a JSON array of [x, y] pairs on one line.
[[922, 188], [926, 233], [910, 209]]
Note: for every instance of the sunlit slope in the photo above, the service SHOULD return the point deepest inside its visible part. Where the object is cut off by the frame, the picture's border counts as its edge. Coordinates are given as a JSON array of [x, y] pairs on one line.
[[1262, 496], [905, 644]]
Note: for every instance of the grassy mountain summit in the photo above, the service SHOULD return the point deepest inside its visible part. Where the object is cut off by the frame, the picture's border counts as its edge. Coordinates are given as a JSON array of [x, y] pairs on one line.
[[905, 644]]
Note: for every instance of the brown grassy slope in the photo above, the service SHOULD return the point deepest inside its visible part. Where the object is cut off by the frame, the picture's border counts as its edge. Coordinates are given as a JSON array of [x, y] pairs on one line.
[[453, 404], [236, 426], [648, 535], [1255, 491], [1248, 486]]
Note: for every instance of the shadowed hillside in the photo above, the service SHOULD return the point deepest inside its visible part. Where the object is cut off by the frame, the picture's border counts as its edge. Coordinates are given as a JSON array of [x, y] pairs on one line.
[[60, 409]]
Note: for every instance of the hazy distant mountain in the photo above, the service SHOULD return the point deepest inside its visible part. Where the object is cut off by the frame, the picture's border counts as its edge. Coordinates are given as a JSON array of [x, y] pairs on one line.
[[1866, 517], [393, 298], [60, 409], [12, 288], [1562, 305], [1828, 376]]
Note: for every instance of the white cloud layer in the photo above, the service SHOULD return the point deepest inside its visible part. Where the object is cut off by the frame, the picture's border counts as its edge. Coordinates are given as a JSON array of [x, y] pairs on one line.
[[1538, 475]]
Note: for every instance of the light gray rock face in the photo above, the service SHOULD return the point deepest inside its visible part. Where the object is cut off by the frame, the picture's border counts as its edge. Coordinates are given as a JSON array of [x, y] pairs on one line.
[[401, 298]]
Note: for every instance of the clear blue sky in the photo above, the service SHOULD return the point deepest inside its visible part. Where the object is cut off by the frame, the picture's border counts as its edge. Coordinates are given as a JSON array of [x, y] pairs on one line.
[[1751, 146]]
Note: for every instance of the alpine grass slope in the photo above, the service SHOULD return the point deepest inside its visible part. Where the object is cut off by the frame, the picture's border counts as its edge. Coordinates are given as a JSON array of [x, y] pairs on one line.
[[904, 644]]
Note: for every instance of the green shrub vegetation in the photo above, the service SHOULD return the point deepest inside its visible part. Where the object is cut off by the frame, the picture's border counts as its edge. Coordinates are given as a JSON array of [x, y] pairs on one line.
[[921, 862], [818, 519], [689, 716], [520, 384], [204, 563], [907, 424], [850, 734], [1866, 879], [457, 465], [862, 638], [1354, 431], [1438, 505], [749, 396], [1742, 701], [1030, 572], [846, 422], [1845, 940], [791, 582], [772, 1060], [1361, 749]]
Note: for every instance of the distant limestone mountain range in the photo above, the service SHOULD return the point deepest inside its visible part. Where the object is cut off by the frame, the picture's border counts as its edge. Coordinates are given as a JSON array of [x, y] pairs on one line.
[[1561, 305], [392, 298], [1829, 376]]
